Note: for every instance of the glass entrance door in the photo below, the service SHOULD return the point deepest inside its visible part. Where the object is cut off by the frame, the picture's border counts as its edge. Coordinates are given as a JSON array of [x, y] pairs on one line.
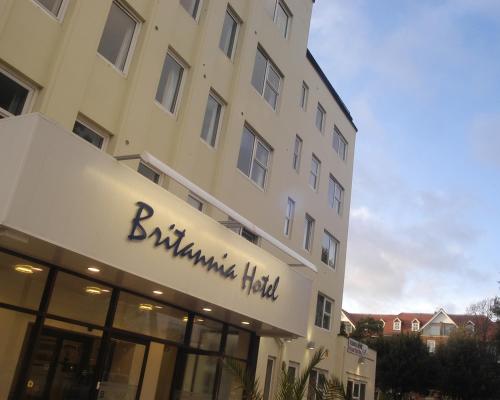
[[123, 370]]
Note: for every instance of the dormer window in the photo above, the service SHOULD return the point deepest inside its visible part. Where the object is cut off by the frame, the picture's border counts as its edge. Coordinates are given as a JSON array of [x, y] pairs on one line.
[[470, 327], [415, 325], [396, 325]]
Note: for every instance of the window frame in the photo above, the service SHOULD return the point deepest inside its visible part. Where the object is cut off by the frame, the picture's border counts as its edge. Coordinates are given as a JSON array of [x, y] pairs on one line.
[[334, 183], [220, 101], [396, 324], [180, 86], [269, 64], [281, 4], [431, 345], [289, 216], [304, 95], [195, 17], [237, 19], [60, 13], [295, 366], [415, 325], [297, 153], [257, 139], [160, 175], [133, 41], [268, 384], [317, 372], [30, 97], [195, 198], [320, 109], [94, 128], [336, 245], [315, 187], [342, 139], [309, 225]]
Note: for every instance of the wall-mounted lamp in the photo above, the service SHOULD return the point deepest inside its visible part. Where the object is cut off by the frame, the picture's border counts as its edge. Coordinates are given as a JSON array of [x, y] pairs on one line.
[[311, 345], [361, 360]]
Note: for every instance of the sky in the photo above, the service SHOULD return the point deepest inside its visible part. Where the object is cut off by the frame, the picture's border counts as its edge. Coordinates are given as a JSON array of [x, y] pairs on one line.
[[421, 79]]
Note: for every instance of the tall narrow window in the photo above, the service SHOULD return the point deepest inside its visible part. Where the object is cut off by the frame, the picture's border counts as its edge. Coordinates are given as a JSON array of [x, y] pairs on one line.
[[269, 378], [320, 117], [169, 87], [282, 17], [293, 370], [211, 121], [316, 381], [315, 170], [14, 96], [191, 6], [118, 36], [89, 134], [308, 232], [227, 41], [324, 307], [254, 157], [339, 144], [304, 94], [52, 6], [290, 211], [266, 78], [297, 150], [329, 249], [335, 195]]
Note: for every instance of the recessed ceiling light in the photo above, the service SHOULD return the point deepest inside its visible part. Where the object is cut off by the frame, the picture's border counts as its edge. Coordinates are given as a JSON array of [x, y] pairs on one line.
[[245, 322], [200, 320], [93, 290], [185, 319], [38, 269], [207, 309], [145, 307], [157, 292], [24, 268], [94, 269], [158, 307], [105, 290]]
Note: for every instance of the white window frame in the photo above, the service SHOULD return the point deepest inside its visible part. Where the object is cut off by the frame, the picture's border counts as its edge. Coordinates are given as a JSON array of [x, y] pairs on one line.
[[289, 215], [309, 224], [323, 312], [332, 198], [431, 345], [320, 109], [94, 128], [336, 244], [357, 384], [324, 374], [316, 175], [60, 14], [196, 17], [296, 366], [133, 42], [30, 97], [396, 325], [304, 96], [383, 323], [238, 21], [341, 138], [160, 175], [170, 52], [269, 388], [415, 325], [222, 104], [269, 64], [258, 139], [297, 153], [284, 7], [196, 199]]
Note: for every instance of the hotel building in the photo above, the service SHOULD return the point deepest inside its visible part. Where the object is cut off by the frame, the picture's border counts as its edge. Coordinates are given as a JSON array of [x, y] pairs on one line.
[[175, 186]]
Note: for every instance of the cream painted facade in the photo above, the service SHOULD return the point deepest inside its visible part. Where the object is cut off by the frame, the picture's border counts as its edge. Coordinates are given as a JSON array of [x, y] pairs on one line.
[[56, 57]]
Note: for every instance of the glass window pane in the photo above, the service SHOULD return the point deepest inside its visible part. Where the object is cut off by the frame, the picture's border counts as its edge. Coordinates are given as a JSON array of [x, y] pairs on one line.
[[169, 85], [191, 6], [12, 95], [79, 299], [149, 173], [206, 334], [271, 96], [326, 321], [262, 154], [230, 387], [237, 343], [281, 19], [228, 35], [88, 134], [53, 6], [273, 78], [269, 378], [141, 315], [211, 121], [259, 71], [258, 174], [117, 36], [195, 202], [21, 282], [320, 115], [13, 335], [319, 310], [199, 377], [246, 151]]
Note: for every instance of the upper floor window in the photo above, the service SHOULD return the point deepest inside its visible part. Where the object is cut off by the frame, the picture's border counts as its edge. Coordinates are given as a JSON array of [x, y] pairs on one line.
[[297, 150], [335, 195], [339, 144], [282, 17], [320, 117], [324, 308], [308, 232], [148, 172], [229, 33], [304, 95], [415, 325], [191, 6], [117, 40], [290, 211], [89, 133], [169, 87], [54, 7], [396, 325], [254, 157], [315, 170], [329, 249], [195, 202], [266, 78], [15, 96], [212, 119]]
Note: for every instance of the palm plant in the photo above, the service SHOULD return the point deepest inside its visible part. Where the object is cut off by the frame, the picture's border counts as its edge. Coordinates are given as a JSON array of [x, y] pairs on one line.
[[289, 387]]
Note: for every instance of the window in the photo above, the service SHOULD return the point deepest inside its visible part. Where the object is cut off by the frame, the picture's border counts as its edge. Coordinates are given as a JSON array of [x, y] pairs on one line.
[[396, 325], [290, 211], [293, 369], [348, 328], [118, 37], [52, 6], [431, 346], [90, 135], [320, 117], [339, 144], [415, 325], [383, 323], [315, 170], [335, 195], [282, 17], [15, 97], [356, 390], [304, 94], [266, 78], [254, 157], [169, 86], [212, 119], [237, 228], [308, 232], [297, 150], [191, 6], [249, 235], [316, 380], [195, 202], [268, 381], [148, 172], [329, 250], [227, 41]]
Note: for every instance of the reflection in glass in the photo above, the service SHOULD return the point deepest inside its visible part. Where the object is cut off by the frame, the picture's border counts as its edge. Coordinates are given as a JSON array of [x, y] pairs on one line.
[[199, 377], [206, 334], [230, 386], [237, 343]]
